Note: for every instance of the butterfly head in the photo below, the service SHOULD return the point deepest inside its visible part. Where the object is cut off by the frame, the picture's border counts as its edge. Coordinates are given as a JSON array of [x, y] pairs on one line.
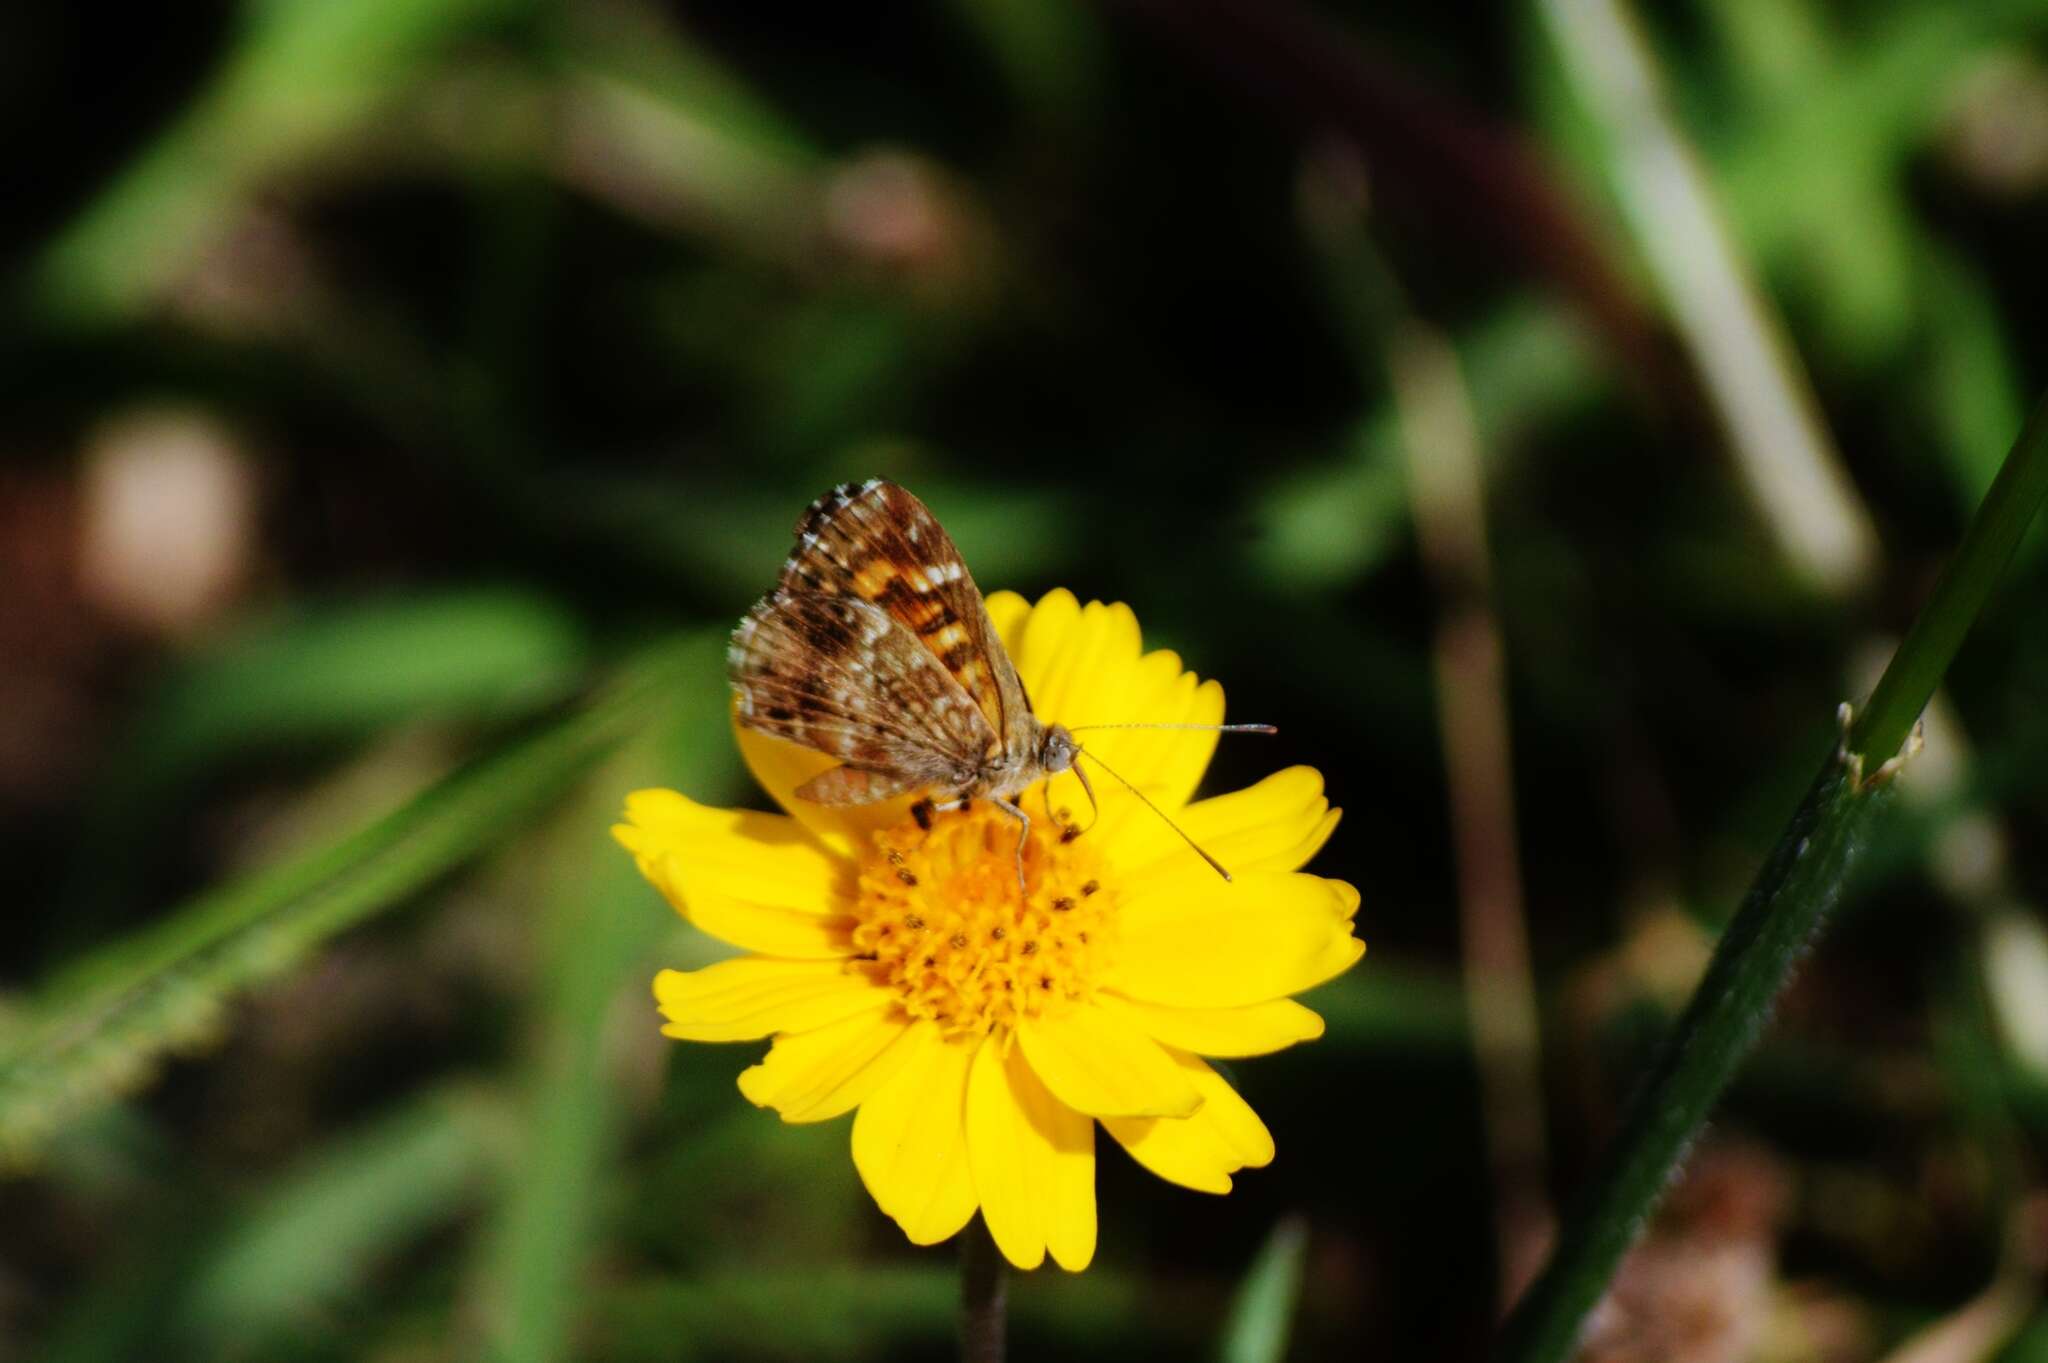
[[1056, 749]]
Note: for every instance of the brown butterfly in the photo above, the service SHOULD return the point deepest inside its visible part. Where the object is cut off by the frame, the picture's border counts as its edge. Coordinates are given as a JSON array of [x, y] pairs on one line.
[[875, 647]]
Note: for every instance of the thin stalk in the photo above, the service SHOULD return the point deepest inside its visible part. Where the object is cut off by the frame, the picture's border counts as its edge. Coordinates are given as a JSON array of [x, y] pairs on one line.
[[1917, 668], [1781, 915], [981, 1296], [1445, 489]]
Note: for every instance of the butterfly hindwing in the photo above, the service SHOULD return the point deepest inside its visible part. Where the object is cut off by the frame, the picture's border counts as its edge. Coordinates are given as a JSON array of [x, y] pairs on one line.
[[878, 543]]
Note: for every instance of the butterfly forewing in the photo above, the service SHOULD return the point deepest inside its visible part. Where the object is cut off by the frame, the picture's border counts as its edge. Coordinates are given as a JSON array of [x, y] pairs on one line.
[[836, 674], [876, 542]]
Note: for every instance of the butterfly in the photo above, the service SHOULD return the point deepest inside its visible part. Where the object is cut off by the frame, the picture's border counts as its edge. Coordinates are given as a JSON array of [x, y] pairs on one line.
[[875, 647]]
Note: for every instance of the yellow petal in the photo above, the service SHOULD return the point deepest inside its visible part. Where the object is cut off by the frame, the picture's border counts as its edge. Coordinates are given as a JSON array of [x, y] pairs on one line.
[[1099, 1062], [910, 1139], [1033, 1159], [771, 856], [1070, 1185], [1215, 945], [755, 996], [1202, 1151], [1276, 825], [817, 1075], [1086, 665], [758, 881], [781, 766], [1072, 657], [1256, 1029]]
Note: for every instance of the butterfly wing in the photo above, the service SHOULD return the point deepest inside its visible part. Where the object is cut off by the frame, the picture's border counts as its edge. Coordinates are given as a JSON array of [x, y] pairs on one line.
[[836, 674], [876, 542]]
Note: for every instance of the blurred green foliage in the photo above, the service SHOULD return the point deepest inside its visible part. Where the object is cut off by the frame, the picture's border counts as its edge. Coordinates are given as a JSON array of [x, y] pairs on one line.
[[324, 1027]]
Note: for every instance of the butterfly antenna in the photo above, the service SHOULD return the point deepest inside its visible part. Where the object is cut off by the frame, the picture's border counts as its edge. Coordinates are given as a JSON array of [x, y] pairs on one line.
[[1205, 728], [1145, 800]]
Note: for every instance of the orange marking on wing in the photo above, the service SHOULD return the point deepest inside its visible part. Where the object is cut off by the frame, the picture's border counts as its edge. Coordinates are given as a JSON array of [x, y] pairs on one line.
[[874, 577]]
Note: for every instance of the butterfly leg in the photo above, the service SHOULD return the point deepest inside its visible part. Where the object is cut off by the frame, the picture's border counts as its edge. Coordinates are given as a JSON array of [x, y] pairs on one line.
[[926, 809], [1023, 833], [1062, 819]]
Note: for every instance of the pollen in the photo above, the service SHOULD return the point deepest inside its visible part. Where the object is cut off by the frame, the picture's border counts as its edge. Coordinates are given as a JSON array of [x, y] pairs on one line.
[[942, 922]]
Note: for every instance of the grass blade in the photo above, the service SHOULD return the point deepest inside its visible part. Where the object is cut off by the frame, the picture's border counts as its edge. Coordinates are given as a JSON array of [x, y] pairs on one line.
[[572, 1114], [100, 1027], [1262, 1315], [601, 928]]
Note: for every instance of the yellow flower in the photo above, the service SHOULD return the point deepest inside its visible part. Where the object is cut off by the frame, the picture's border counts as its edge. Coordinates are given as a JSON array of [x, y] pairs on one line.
[[981, 1031]]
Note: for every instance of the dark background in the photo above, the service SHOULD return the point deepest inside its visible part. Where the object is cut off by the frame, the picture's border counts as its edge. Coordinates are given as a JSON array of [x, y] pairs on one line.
[[382, 379]]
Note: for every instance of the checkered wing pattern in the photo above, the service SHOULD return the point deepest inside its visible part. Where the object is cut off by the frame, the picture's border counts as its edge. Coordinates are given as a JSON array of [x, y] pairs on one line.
[[876, 542], [836, 674]]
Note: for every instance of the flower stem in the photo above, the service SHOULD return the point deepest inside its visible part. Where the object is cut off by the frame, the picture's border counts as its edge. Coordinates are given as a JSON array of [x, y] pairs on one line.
[[981, 1296], [1779, 918]]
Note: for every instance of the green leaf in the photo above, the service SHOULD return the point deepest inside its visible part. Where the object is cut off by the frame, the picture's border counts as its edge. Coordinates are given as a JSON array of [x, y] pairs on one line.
[[309, 1239], [198, 1280], [302, 75], [355, 667], [1262, 1314], [345, 670]]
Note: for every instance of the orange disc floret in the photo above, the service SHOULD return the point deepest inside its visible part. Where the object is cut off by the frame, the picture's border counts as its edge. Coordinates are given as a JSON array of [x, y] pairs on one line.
[[941, 921]]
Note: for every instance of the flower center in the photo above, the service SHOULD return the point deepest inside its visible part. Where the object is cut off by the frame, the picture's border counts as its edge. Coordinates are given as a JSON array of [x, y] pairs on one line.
[[942, 922]]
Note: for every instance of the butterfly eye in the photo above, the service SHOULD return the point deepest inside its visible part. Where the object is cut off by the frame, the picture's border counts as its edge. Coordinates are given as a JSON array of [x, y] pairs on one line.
[[1056, 754]]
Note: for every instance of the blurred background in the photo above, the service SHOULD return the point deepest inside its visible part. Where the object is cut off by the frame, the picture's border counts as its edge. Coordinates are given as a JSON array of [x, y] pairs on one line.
[[1544, 413]]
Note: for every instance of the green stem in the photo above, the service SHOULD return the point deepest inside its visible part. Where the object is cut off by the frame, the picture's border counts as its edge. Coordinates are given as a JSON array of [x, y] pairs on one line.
[[981, 1296], [1798, 884], [1931, 644]]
